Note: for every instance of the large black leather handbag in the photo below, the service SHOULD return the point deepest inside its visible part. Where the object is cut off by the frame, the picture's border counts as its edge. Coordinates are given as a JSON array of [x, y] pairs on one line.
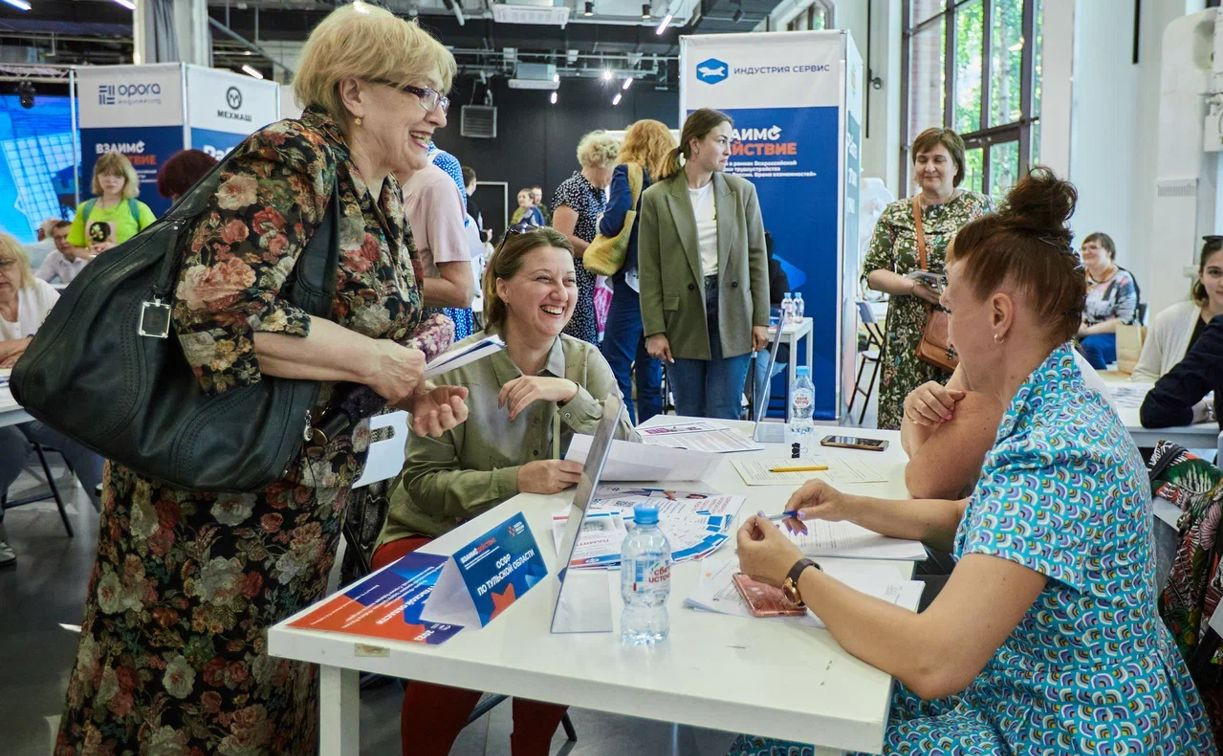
[[106, 368]]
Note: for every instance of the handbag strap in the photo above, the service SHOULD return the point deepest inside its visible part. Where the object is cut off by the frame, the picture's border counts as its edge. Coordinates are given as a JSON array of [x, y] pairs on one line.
[[921, 233], [634, 182]]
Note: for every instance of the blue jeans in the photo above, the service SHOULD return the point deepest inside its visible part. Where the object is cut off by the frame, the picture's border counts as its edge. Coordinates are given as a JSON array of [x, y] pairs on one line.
[[1099, 349], [16, 445], [624, 349], [713, 387]]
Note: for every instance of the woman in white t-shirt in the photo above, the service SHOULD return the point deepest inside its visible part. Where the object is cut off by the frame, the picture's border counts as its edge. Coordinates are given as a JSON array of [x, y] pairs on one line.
[[25, 301], [703, 271]]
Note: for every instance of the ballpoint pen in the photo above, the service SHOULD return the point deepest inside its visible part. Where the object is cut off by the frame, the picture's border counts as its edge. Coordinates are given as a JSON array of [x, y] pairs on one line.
[[788, 513]]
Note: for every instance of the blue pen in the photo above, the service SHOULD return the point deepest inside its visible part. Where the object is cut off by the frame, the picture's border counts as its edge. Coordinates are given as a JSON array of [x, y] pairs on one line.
[[788, 513]]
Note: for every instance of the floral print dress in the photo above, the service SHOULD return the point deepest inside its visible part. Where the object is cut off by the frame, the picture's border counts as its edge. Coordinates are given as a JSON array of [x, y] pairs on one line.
[[173, 653], [588, 202], [894, 247]]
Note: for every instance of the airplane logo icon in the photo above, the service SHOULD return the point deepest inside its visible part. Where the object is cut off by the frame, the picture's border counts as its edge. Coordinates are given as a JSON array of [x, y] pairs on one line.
[[711, 71]]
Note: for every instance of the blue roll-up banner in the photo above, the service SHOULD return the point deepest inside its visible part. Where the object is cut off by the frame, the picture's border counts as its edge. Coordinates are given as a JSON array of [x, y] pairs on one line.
[[796, 99]]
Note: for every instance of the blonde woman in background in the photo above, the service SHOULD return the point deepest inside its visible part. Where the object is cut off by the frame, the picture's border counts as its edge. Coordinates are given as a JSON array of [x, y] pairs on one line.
[[647, 144], [578, 203], [114, 215]]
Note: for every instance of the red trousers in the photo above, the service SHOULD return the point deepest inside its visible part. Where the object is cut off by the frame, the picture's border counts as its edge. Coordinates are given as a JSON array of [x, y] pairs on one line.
[[433, 715]]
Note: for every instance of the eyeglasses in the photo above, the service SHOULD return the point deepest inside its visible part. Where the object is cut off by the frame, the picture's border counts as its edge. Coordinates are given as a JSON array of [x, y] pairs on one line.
[[429, 98]]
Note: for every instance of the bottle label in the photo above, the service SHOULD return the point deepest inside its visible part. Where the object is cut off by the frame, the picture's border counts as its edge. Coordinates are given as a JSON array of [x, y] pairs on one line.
[[802, 399], [648, 575]]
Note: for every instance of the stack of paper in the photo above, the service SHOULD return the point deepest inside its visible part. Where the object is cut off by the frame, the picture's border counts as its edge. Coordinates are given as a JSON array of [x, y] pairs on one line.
[[456, 358], [700, 435], [840, 472], [1129, 394], [632, 461], [696, 523], [717, 593]]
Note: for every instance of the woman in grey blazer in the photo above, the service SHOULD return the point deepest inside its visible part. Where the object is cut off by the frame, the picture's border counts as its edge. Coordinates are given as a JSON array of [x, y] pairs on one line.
[[704, 271]]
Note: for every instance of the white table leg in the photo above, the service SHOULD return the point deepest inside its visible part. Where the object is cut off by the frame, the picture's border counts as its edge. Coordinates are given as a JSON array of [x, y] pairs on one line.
[[811, 349], [339, 703]]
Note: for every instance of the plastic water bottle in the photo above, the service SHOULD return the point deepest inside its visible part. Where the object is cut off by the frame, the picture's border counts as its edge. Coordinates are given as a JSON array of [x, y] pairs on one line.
[[799, 306], [645, 580], [800, 430], [787, 308]]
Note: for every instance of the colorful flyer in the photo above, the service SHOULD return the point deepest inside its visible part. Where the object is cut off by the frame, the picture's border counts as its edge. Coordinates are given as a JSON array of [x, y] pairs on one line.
[[387, 605], [485, 577]]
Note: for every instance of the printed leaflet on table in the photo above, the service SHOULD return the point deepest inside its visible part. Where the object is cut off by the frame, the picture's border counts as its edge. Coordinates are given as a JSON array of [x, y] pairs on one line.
[[696, 523], [387, 605]]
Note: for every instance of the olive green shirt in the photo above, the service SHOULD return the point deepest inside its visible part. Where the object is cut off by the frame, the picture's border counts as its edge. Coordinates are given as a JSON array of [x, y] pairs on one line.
[[473, 467]]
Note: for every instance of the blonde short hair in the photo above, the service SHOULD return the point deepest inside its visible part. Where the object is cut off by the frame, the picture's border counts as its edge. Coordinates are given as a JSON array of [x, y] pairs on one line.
[[9, 246], [598, 149], [367, 42], [116, 164]]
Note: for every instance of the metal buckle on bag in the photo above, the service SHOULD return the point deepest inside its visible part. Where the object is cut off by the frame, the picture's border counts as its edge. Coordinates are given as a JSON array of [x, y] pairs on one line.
[[154, 319]]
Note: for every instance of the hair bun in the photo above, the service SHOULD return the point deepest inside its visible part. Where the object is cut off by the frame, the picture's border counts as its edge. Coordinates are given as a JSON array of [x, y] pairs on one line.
[[1041, 202]]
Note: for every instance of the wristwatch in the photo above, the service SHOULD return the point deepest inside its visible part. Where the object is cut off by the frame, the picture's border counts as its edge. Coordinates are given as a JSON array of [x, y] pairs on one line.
[[790, 585]]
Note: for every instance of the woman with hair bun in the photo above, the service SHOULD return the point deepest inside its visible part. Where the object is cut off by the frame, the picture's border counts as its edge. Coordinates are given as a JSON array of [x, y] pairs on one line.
[[1046, 637]]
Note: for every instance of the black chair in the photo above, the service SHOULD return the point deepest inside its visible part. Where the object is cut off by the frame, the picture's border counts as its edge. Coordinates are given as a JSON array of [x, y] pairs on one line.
[[41, 451], [872, 354]]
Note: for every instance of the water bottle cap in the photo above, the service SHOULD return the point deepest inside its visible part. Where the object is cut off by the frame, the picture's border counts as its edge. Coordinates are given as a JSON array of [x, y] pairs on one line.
[[789, 293], [645, 514], [802, 371]]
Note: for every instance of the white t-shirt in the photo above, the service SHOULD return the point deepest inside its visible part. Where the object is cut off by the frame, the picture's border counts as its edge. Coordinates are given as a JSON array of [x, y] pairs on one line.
[[34, 301], [706, 215]]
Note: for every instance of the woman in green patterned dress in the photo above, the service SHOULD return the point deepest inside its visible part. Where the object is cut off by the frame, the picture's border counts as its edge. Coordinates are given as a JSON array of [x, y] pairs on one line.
[[173, 654], [938, 169]]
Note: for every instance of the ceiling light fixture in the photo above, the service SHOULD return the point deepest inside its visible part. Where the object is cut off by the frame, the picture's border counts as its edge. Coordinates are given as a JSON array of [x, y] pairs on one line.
[[627, 83], [645, 11], [553, 98], [127, 4], [666, 20], [590, 8], [607, 74], [19, 4], [251, 71], [616, 99]]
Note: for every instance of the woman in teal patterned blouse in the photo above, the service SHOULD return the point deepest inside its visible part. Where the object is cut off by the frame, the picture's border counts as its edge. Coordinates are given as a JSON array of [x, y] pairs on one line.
[[1045, 638]]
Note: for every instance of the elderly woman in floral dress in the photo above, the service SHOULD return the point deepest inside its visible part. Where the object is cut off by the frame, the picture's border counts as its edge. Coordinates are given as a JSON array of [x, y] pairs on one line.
[[173, 655]]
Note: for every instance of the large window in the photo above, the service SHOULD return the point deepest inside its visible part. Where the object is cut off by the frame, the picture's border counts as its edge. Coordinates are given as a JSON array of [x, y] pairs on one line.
[[974, 66], [816, 16]]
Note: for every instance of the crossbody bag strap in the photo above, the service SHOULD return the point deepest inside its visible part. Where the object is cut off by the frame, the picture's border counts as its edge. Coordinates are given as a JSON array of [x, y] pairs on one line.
[[921, 234], [86, 209]]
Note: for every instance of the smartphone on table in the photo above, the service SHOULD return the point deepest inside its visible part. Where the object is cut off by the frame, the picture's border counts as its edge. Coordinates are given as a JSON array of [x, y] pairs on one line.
[[854, 442], [763, 600]]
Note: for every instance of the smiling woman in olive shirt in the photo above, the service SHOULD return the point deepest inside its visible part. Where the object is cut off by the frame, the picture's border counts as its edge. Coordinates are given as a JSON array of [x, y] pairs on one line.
[[525, 404]]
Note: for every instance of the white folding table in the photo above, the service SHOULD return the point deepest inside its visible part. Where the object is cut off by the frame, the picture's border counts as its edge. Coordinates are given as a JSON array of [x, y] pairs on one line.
[[776, 679]]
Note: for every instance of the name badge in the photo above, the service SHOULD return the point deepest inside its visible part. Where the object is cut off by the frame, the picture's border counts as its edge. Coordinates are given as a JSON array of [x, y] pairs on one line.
[[485, 577]]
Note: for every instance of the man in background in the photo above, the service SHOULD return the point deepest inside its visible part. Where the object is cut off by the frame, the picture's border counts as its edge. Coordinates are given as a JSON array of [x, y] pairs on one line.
[[61, 264]]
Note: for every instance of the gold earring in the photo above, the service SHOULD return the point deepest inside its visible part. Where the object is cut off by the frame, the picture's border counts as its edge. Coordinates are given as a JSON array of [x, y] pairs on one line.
[[357, 120], [997, 338]]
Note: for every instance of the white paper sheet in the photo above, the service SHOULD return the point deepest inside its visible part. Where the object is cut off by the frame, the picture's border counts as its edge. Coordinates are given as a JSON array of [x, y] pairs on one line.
[[456, 358], [1129, 395], [718, 441], [715, 592], [845, 539], [755, 472], [629, 461]]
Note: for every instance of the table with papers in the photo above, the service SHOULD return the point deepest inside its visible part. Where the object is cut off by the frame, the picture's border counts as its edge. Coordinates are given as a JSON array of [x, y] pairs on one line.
[[760, 663], [1127, 397]]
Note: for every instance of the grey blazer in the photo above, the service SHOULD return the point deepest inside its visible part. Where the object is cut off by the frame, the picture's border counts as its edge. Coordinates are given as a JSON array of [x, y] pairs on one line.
[[672, 287]]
